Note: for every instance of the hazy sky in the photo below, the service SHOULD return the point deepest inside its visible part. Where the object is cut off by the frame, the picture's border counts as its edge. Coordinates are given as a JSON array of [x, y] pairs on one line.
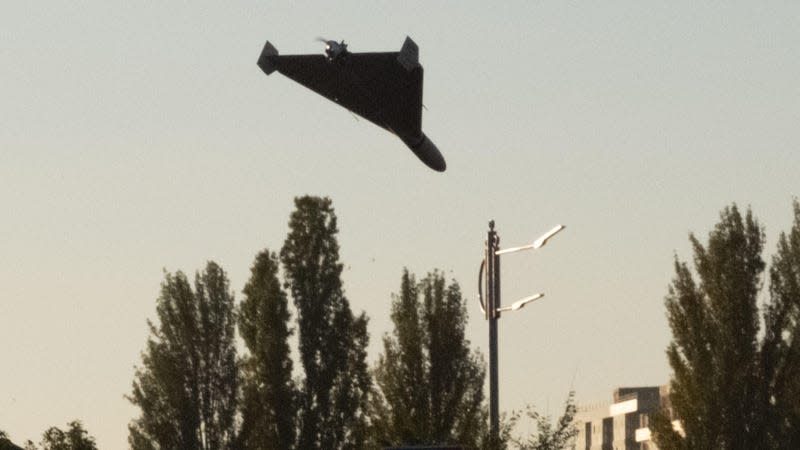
[[141, 136]]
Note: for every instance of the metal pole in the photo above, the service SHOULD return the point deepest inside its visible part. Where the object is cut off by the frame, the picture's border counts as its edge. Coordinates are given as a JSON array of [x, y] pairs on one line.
[[492, 304]]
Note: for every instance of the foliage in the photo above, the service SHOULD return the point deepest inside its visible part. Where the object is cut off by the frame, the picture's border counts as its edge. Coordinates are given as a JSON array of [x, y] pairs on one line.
[[430, 382], [332, 342], [268, 405], [551, 436], [187, 385], [780, 350], [504, 433], [731, 389], [5, 442], [74, 438]]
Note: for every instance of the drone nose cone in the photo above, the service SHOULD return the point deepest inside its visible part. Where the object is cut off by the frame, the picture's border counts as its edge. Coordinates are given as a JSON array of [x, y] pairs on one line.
[[427, 152]]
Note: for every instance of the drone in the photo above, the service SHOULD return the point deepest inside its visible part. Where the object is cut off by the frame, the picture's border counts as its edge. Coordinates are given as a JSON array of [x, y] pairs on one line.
[[384, 88]]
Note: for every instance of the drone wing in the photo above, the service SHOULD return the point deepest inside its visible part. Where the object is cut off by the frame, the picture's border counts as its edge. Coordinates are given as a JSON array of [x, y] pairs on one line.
[[384, 88], [397, 90]]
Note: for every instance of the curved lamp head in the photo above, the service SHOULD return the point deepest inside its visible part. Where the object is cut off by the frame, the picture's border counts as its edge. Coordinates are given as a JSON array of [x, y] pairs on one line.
[[543, 240], [519, 304], [536, 244]]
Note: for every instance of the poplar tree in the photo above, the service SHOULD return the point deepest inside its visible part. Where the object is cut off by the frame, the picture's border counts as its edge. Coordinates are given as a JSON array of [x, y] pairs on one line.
[[186, 387], [268, 404], [780, 362], [332, 342], [430, 382], [732, 387]]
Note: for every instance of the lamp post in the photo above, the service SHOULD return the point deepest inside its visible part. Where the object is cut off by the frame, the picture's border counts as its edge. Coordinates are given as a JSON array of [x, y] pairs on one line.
[[489, 276]]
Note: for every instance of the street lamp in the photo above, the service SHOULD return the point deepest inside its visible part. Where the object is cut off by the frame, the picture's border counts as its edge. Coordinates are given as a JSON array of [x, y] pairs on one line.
[[490, 304]]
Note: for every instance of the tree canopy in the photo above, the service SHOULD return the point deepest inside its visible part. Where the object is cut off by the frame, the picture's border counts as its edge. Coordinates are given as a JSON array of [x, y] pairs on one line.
[[268, 404], [734, 387], [74, 438], [550, 435], [5, 442], [332, 341], [187, 385], [430, 383]]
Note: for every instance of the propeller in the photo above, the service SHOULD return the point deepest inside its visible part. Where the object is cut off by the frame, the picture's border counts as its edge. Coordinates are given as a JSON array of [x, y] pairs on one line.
[[325, 41]]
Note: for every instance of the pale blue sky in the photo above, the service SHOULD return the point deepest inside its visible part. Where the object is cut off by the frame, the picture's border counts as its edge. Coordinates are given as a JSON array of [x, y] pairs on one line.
[[141, 137]]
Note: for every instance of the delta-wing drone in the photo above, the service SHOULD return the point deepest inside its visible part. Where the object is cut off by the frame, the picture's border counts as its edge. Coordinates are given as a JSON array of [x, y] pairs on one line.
[[384, 88]]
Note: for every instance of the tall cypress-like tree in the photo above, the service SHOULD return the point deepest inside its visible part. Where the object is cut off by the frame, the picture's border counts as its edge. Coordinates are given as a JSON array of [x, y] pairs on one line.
[[403, 408], [268, 405], [731, 389], [780, 350], [186, 387], [714, 326], [430, 382], [332, 342]]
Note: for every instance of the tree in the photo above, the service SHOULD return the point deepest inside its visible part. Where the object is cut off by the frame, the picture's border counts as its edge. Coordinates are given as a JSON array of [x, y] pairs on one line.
[[268, 405], [75, 438], [551, 436], [714, 327], [5, 442], [430, 382], [780, 350], [186, 387], [729, 389], [332, 342]]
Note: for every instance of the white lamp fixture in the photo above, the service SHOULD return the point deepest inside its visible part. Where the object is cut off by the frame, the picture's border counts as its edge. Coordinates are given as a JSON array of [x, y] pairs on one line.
[[519, 304], [538, 243]]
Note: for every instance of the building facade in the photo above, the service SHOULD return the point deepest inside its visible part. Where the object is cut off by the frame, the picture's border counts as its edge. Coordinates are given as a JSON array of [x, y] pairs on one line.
[[622, 424]]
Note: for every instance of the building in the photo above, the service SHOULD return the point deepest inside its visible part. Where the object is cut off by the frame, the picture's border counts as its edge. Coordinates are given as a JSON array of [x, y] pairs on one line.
[[623, 423]]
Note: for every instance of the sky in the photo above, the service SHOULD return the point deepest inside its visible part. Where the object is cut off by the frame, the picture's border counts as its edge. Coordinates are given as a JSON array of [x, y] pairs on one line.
[[142, 137]]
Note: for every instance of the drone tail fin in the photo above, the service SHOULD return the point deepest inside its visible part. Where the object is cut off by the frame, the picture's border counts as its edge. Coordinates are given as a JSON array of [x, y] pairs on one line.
[[409, 55], [267, 60]]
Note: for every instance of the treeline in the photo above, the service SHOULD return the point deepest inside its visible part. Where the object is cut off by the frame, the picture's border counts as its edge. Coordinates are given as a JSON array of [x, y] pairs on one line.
[[75, 437], [194, 391], [735, 356]]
